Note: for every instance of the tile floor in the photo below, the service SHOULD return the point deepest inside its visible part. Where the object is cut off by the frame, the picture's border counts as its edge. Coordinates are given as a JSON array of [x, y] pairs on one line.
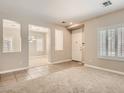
[[38, 60], [35, 72]]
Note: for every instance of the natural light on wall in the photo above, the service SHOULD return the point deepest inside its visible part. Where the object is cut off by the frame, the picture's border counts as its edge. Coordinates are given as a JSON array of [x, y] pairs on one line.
[[11, 36], [111, 42], [58, 39]]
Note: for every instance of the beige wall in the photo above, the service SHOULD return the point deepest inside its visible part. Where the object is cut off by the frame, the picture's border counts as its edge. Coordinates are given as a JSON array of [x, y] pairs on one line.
[[91, 40], [11, 61], [66, 52]]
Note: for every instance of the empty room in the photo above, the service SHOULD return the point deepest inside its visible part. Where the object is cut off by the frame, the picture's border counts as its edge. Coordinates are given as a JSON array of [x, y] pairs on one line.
[[61, 46]]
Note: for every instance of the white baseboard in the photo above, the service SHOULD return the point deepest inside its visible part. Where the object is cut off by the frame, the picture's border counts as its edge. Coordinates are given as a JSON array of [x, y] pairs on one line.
[[61, 61], [13, 70], [105, 69]]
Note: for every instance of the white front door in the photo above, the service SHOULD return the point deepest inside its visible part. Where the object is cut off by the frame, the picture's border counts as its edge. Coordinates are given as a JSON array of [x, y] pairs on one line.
[[77, 45]]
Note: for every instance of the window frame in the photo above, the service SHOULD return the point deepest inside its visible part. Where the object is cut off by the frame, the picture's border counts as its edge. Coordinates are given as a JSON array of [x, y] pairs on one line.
[[20, 36], [116, 57]]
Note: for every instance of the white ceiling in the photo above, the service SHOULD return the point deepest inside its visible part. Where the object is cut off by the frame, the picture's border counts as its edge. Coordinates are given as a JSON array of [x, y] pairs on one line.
[[55, 11]]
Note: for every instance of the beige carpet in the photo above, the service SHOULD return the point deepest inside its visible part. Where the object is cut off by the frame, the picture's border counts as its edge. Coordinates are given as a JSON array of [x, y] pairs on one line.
[[73, 80]]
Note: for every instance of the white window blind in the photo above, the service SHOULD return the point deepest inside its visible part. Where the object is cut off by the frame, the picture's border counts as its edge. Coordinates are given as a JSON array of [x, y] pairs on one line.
[[58, 39], [103, 43], [111, 42], [120, 43]]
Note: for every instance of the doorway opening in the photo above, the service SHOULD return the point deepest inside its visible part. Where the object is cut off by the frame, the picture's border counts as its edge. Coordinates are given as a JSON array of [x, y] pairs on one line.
[[38, 45]]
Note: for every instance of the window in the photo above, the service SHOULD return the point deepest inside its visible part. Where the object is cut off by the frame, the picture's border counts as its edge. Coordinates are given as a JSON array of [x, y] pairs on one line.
[[111, 42], [103, 43], [120, 43], [11, 36], [58, 39], [7, 44], [39, 43]]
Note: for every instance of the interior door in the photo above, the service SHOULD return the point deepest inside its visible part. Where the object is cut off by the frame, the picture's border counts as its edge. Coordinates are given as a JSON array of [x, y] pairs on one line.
[[77, 45]]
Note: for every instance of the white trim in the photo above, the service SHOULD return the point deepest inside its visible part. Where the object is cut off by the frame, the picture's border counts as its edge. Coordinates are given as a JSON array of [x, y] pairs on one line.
[[105, 69], [61, 61], [13, 70]]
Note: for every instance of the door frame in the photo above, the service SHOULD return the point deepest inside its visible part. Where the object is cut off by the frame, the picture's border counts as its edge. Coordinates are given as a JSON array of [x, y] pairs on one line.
[[49, 45]]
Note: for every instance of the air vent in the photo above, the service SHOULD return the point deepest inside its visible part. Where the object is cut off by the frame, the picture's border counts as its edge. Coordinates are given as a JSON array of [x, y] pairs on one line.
[[107, 3]]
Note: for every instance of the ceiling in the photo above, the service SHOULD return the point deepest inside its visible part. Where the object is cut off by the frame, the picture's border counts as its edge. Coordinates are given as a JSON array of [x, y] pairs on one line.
[[56, 11]]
